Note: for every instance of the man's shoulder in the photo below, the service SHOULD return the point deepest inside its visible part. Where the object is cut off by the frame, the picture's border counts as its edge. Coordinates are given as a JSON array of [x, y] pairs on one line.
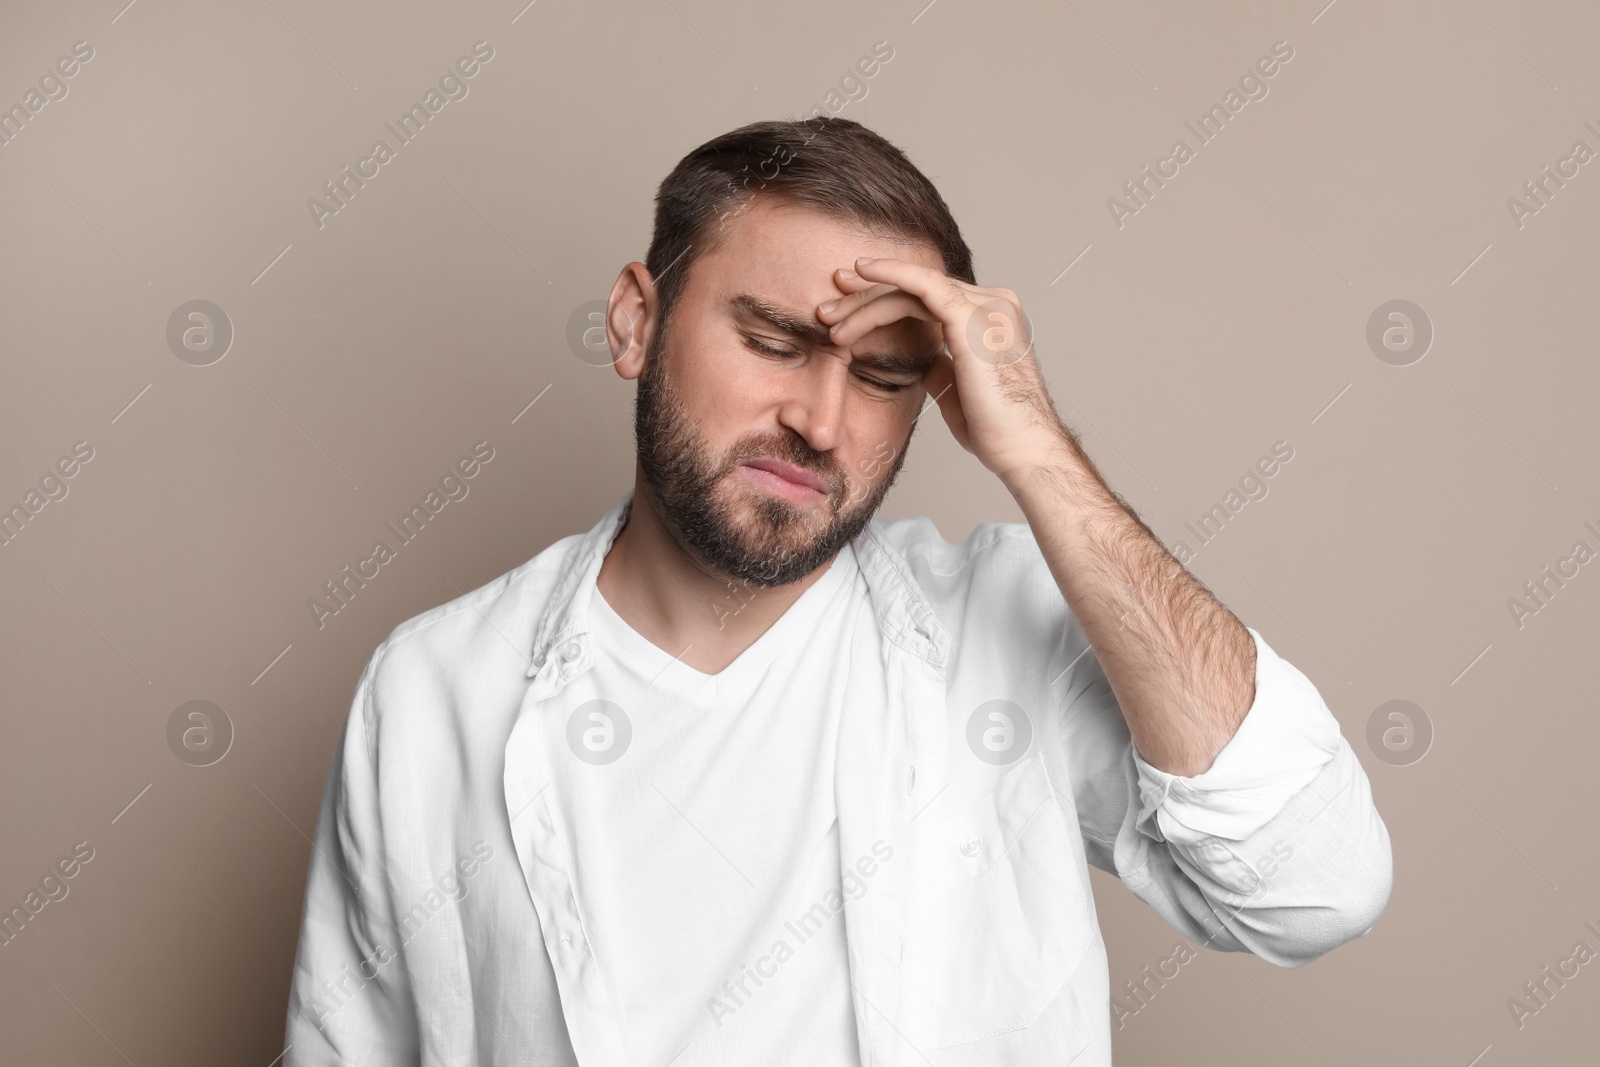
[[919, 543], [502, 612], [993, 593]]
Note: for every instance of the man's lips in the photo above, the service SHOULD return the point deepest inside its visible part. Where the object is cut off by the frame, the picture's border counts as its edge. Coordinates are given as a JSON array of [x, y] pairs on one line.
[[790, 473]]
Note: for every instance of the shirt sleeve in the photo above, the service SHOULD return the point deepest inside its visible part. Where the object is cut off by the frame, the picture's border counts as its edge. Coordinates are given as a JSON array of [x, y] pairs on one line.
[[350, 1001], [1276, 849], [1285, 739]]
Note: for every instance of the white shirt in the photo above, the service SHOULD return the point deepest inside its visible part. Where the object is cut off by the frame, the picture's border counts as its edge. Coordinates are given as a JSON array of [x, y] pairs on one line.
[[447, 920], [699, 850]]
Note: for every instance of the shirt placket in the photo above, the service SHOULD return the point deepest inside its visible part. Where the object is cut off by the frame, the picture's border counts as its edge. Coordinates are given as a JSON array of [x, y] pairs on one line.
[[876, 805], [539, 832]]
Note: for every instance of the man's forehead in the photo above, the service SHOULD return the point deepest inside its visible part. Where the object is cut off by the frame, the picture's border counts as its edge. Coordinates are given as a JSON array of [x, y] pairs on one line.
[[775, 262], [796, 248]]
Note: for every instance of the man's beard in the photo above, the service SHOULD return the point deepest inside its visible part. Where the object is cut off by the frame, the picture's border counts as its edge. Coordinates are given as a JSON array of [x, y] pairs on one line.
[[777, 544]]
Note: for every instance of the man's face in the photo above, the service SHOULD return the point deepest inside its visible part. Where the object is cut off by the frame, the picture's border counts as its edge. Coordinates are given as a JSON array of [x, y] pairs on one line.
[[768, 447]]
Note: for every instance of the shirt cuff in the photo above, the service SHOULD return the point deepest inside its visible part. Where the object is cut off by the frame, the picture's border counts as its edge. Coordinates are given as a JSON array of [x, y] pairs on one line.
[[1284, 741]]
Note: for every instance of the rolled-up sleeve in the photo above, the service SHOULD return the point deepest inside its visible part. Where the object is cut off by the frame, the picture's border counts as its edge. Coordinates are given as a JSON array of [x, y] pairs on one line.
[[1286, 738], [1277, 848]]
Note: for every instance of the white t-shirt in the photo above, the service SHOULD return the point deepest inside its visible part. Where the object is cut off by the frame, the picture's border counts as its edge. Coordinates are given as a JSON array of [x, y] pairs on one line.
[[703, 854]]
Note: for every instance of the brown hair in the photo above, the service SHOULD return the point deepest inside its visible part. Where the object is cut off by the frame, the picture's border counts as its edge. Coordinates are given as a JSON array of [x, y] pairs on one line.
[[837, 166]]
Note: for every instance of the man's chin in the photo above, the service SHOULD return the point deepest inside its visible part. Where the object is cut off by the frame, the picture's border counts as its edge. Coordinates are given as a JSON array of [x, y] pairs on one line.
[[767, 528]]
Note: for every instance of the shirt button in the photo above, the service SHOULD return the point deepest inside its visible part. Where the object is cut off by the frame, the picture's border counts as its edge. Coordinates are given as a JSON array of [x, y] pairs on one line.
[[911, 779], [970, 846], [570, 651]]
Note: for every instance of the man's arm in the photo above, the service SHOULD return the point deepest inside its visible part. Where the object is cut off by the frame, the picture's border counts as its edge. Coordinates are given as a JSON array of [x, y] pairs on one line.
[[350, 1001], [1182, 666], [1236, 765], [1277, 849]]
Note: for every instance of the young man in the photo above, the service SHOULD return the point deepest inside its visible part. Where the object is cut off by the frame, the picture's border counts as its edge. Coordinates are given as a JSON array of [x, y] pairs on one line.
[[745, 776]]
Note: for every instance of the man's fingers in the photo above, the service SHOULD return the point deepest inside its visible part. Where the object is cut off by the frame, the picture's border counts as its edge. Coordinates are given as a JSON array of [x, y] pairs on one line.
[[937, 290], [881, 291], [891, 307], [848, 281], [861, 292]]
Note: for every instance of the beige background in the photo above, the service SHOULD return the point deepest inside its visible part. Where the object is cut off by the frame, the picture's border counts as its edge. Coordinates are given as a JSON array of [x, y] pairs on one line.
[[1228, 314]]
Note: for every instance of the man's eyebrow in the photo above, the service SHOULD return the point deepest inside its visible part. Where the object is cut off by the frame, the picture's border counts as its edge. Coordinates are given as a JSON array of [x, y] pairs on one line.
[[816, 333], [789, 322]]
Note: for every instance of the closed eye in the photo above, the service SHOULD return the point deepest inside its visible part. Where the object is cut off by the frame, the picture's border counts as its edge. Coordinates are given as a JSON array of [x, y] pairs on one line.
[[758, 345], [768, 350]]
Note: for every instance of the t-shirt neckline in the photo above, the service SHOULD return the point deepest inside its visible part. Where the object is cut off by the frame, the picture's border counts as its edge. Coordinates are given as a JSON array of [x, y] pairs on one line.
[[666, 670]]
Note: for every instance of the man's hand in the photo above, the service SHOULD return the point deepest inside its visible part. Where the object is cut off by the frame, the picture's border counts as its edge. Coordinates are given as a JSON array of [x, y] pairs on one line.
[[1181, 665], [991, 391]]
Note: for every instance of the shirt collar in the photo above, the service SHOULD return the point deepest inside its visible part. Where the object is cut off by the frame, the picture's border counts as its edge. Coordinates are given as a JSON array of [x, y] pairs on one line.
[[566, 611], [904, 615]]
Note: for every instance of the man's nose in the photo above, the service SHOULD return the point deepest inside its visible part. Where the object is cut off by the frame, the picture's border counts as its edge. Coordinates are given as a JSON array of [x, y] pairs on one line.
[[814, 407]]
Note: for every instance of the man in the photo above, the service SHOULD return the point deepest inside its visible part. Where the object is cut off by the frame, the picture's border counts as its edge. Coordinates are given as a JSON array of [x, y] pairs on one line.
[[745, 776]]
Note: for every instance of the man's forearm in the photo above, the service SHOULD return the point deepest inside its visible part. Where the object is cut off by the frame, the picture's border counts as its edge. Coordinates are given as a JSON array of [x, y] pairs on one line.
[[1181, 665]]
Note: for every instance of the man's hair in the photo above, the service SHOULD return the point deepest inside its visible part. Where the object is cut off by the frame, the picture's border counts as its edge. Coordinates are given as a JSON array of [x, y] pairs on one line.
[[836, 166]]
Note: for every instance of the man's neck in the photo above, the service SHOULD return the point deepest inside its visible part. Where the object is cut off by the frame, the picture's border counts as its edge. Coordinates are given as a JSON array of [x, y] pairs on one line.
[[676, 602]]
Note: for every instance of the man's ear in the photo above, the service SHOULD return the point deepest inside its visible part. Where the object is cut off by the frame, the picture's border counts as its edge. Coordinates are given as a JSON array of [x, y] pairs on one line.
[[631, 319]]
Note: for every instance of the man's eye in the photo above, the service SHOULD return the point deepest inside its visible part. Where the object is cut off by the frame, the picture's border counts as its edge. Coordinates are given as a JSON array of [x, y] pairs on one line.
[[769, 350], [888, 387]]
